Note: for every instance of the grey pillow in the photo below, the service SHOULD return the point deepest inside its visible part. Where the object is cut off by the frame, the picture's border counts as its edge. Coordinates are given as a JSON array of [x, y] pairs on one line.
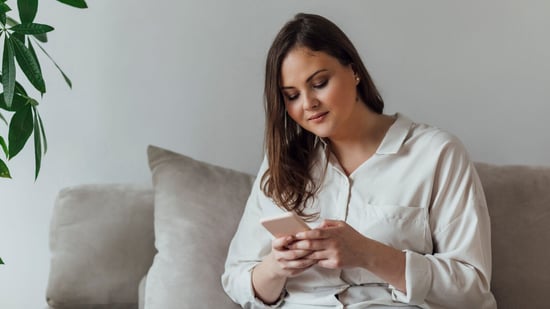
[[197, 210], [101, 242], [518, 198]]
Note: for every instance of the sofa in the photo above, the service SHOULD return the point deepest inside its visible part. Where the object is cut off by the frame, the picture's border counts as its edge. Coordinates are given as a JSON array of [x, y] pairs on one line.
[[164, 246]]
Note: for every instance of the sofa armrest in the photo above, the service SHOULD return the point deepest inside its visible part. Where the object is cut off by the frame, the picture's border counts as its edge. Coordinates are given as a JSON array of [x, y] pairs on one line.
[[102, 244]]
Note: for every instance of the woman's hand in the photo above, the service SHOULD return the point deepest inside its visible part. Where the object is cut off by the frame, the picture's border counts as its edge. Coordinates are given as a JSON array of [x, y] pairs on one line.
[[287, 262], [269, 276], [335, 244]]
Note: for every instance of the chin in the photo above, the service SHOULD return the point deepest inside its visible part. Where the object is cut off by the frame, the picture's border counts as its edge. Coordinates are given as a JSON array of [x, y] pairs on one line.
[[320, 134]]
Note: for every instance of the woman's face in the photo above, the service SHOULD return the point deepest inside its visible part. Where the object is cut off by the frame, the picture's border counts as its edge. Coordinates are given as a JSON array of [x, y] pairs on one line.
[[319, 92]]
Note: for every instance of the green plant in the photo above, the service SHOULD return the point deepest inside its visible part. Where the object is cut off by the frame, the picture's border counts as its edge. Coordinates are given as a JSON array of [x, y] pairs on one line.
[[19, 40]]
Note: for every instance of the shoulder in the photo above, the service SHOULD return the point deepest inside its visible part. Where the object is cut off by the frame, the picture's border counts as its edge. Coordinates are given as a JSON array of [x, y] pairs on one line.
[[429, 143], [432, 138]]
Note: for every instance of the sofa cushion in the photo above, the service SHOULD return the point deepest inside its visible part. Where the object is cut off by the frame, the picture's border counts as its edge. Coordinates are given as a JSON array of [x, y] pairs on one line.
[[518, 198], [197, 210], [101, 242]]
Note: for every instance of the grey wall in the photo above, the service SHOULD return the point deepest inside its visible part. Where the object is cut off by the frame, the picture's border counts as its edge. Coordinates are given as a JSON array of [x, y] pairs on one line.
[[187, 75]]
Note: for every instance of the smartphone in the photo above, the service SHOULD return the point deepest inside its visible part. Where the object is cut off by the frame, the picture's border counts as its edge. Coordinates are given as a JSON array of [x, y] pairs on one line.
[[288, 223]]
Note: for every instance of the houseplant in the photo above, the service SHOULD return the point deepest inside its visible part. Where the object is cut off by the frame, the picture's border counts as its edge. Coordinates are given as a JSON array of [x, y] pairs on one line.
[[19, 39]]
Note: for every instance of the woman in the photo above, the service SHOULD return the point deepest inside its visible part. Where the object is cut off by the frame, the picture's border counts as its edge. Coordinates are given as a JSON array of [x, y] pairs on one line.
[[398, 213]]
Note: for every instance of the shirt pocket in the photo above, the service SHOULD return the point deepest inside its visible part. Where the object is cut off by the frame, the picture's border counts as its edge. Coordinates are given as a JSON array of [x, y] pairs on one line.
[[401, 227]]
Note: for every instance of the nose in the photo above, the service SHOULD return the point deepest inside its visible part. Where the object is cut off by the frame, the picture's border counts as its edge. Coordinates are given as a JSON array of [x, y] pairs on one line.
[[310, 101]]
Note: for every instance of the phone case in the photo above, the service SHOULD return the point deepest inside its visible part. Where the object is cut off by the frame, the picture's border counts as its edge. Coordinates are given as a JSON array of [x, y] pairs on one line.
[[285, 224]]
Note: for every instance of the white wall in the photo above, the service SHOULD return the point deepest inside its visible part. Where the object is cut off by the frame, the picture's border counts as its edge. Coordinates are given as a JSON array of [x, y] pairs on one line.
[[188, 75]]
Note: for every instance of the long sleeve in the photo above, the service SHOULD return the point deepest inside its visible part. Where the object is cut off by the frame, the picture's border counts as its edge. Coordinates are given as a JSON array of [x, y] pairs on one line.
[[249, 245], [457, 274], [419, 193]]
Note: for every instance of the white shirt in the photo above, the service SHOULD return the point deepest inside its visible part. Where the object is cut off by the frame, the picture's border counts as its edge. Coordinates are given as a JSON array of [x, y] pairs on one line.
[[418, 193]]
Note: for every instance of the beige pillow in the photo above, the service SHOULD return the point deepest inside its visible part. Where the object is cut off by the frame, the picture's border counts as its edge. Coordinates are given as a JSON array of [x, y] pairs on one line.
[[101, 242], [197, 210]]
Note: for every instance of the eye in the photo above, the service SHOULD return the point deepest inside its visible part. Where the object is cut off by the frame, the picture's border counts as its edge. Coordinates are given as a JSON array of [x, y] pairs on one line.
[[320, 84], [290, 97]]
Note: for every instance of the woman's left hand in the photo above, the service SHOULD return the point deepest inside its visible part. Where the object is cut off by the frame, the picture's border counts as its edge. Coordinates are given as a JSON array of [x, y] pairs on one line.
[[335, 244]]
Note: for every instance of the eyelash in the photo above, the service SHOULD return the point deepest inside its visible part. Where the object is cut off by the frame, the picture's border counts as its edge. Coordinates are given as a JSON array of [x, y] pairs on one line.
[[320, 85]]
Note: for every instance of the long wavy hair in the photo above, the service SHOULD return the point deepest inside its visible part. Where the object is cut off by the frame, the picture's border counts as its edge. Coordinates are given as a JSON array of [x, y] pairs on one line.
[[289, 148]]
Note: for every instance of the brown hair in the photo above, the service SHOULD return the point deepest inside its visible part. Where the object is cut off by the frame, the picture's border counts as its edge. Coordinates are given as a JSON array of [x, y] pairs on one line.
[[289, 148]]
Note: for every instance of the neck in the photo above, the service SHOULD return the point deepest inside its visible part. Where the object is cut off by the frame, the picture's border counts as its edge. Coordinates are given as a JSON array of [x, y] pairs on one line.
[[364, 134]]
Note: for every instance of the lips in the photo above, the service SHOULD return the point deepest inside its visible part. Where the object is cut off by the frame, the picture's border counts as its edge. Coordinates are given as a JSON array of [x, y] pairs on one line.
[[318, 116]]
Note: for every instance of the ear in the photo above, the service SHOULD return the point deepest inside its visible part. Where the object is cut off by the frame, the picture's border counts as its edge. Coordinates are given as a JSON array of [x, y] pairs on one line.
[[355, 74]]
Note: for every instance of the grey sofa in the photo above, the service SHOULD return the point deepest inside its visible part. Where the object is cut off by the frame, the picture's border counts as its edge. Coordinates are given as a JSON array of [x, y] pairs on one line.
[[106, 238]]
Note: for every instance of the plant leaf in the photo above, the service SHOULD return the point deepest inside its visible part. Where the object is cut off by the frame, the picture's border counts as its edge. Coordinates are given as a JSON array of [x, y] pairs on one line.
[[67, 80], [4, 8], [44, 139], [81, 4], [27, 10], [11, 22], [20, 89], [4, 146], [19, 36], [33, 53], [28, 65], [42, 37], [19, 102], [32, 28], [8, 72], [3, 119], [21, 126], [4, 173], [37, 145]]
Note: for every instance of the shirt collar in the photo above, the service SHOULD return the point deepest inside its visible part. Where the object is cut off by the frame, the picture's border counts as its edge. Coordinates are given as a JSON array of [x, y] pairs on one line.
[[396, 135]]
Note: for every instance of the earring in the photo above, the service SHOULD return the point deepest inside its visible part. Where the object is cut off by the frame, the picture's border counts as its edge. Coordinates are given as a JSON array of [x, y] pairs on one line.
[[357, 79]]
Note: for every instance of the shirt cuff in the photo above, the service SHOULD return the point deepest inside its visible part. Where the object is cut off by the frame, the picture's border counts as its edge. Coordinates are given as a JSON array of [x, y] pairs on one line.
[[418, 278]]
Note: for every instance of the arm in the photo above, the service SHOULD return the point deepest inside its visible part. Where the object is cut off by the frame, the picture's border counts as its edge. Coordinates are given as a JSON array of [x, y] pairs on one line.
[[457, 274], [257, 267], [270, 275], [248, 246], [338, 245]]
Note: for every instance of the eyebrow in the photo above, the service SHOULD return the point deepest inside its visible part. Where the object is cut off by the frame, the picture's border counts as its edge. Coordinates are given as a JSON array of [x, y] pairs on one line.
[[307, 80]]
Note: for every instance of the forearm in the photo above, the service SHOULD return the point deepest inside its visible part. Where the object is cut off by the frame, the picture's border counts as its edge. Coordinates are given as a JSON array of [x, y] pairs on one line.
[[267, 285], [431, 283], [386, 262]]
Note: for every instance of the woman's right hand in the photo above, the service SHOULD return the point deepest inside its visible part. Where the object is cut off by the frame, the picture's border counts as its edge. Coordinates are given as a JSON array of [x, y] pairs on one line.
[[269, 276], [287, 262]]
